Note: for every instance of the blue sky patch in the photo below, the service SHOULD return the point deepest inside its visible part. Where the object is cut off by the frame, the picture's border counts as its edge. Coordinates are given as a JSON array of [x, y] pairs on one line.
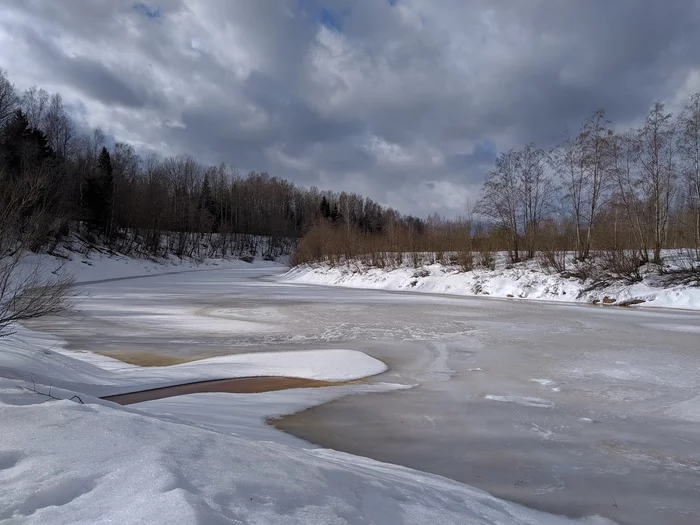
[[146, 10], [330, 20]]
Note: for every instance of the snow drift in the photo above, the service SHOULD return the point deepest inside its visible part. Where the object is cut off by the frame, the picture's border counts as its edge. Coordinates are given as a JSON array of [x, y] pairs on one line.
[[520, 281]]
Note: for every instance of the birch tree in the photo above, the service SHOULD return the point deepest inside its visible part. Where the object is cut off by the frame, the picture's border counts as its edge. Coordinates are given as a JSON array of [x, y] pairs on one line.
[[500, 199], [534, 191], [689, 152], [656, 156]]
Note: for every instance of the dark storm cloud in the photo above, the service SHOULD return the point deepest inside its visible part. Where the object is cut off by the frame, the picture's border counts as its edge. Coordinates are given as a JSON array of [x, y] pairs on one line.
[[93, 78], [407, 101]]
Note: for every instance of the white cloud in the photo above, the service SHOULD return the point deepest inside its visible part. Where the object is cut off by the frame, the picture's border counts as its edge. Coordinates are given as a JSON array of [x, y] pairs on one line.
[[394, 105]]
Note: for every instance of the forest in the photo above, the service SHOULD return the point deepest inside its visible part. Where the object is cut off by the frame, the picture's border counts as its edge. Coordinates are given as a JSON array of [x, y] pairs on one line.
[[622, 196], [602, 203], [58, 178]]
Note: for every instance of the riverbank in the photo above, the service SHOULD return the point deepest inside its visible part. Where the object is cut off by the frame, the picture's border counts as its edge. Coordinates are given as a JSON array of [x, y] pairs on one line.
[[527, 280]]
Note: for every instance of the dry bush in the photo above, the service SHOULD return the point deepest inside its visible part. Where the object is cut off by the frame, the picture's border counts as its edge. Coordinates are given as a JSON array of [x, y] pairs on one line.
[[487, 261], [27, 290], [309, 249], [553, 260], [465, 260], [557, 242], [619, 264], [687, 271], [689, 276], [585, 269]]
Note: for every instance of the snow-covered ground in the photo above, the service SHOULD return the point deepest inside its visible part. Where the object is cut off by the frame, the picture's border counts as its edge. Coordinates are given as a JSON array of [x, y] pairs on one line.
[[88, 266], [521, 281], [41, 358], [200, 458], [65, 462]]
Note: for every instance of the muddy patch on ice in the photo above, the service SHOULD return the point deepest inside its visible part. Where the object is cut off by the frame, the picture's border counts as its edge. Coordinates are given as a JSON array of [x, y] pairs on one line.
[[244, 385], [157, 359]]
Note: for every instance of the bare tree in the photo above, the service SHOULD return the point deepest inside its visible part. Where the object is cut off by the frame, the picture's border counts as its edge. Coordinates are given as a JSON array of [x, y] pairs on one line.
[[34, 104], [58, 127], [584, 164], [27, 290], [535, 190], [597, 143], [656, 156], [30, 291], [689, 151], [501, 197], [567, 163], [630, 193], [8, 97]]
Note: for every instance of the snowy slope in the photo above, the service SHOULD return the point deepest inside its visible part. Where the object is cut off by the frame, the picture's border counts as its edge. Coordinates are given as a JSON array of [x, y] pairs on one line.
[[524, 281], [99, 266], [29, 355], [63, 462], [202, 458]]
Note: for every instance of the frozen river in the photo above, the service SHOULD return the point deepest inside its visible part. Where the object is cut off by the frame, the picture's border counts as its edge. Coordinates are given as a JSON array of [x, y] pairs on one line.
[[572, 409]]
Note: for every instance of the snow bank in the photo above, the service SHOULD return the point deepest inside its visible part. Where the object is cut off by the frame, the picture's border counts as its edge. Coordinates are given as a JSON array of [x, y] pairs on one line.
[[32, 356], [63, 462], [97, 266], [523, 281]]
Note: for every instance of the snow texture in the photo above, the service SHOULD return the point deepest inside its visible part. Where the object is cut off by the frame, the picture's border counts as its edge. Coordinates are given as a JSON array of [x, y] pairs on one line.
[[521, 281], [32, 356], [202, 458], [64, 462], [98, 265]]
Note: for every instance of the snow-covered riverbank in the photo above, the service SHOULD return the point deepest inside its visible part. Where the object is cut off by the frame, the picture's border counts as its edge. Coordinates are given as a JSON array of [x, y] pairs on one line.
[[522, 281], [88, 265], [65, 462], [201, 458]]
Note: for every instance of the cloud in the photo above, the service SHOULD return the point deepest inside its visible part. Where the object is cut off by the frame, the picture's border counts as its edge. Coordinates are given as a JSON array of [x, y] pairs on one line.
[[407, 101]]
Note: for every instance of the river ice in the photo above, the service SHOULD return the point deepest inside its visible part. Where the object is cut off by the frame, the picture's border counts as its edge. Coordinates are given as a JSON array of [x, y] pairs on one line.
[[572, 409]]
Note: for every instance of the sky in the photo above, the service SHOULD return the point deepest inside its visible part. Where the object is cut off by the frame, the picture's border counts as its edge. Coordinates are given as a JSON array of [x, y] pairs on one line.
[[405, 101]]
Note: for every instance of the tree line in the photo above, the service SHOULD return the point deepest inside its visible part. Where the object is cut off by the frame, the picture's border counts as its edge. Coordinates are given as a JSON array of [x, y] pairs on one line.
[[603, 201], [602, 189], [59, 181], [631, 193], [69, 180]]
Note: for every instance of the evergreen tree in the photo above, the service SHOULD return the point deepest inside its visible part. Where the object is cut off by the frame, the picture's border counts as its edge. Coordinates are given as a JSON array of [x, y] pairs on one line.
[[207, 206], [105, 162], [22, 147], [335, 214], [325, 208], [107, 187], [98, 193]]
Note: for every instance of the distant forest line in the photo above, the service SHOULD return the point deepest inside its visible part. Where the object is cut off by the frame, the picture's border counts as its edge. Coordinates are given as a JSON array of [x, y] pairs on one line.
[[53, 177], [603, 202], [632, 193]]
